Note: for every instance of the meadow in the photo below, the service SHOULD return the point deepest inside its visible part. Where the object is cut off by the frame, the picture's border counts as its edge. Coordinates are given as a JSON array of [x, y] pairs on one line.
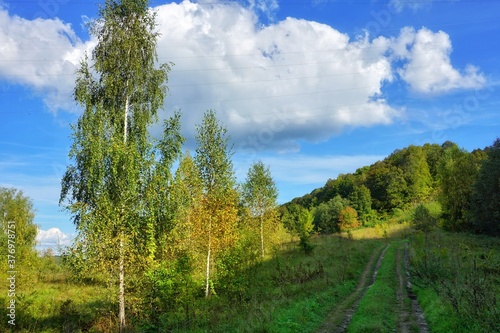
[[455, 278]]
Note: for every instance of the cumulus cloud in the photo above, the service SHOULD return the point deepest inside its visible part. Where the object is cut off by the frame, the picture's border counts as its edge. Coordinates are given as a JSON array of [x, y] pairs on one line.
[[52, 238], [42, 54], [309, 76], [273, 85], [428, 67]]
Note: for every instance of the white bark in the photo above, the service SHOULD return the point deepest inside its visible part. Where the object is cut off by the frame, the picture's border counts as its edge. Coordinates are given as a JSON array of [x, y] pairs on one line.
[[207, 277], [121, 268], [121, 296], [125, 126], [262, 234], [207, 285]]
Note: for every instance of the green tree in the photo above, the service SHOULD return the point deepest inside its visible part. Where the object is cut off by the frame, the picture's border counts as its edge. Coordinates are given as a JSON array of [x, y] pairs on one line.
[[345, 184], [299, 221], [485, 205], [433, 153], [105, 189], [361, 200], [16, 216], [458, 171], [326, 215], [162, 207], [259, 196], [387, 186], [423, 219], [412, 161], [218, 215]]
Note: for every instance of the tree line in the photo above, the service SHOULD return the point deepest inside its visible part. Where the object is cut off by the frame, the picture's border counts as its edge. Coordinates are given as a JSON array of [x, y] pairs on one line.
[[465, 184]]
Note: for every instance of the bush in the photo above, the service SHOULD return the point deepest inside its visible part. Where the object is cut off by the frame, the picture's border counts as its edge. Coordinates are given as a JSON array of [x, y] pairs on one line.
[[423, 219]]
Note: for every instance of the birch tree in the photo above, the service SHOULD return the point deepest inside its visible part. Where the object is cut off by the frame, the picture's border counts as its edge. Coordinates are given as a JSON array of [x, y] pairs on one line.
[[259, 195], [161, 204], [120, 91], [217, 216], [187, 197]]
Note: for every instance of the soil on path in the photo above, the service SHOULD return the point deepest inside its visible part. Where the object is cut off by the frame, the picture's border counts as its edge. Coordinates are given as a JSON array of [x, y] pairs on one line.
[[410, 314], [339, 318]]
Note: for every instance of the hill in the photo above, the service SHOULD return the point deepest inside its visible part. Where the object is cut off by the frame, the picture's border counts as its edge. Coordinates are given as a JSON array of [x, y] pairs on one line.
[[410, 176]]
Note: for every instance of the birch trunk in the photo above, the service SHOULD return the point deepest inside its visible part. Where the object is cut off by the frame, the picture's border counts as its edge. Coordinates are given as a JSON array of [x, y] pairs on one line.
[[207, 278], [121, 268], [207, 282], [121, 296], [262, 235]]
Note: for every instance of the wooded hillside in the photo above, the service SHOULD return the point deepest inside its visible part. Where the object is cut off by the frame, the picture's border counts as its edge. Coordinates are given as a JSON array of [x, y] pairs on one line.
[[464, 183]]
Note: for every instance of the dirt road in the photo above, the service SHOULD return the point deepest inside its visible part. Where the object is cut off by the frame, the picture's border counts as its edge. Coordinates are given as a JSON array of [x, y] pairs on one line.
[[410, 315]]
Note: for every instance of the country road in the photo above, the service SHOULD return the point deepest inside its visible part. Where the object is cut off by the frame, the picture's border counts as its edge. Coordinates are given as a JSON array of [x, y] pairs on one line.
[[410, 317]]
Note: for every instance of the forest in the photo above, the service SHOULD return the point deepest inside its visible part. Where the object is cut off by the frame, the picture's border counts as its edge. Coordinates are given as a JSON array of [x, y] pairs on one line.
[[463, 183], [169, 241]]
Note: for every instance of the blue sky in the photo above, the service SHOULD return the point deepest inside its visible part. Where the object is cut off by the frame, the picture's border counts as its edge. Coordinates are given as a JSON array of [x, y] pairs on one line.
[[311, 88]]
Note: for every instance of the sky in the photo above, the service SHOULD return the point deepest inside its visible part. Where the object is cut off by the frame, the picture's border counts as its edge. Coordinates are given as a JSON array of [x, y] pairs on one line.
[[312, 88]]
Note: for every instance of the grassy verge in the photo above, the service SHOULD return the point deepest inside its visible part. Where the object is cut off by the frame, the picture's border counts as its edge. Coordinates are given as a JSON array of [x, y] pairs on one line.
[[376, 311], [457, 280]]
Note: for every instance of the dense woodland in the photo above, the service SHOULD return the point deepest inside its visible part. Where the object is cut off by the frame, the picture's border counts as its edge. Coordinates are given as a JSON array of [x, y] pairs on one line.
[[169, 240], [465, 184]]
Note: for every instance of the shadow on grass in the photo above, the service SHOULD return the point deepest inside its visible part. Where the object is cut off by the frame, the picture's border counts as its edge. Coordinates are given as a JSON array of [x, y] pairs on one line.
[[62, 316]]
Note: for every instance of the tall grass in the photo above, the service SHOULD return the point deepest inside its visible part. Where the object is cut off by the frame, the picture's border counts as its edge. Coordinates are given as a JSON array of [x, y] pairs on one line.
[[457, 280]]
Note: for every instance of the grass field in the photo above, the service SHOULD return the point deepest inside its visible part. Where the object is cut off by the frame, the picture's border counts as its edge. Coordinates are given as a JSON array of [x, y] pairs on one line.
[[455, 276]]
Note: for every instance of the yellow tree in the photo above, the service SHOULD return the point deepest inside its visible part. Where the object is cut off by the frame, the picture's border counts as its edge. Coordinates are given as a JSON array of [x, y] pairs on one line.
[[187, 197], [348, 219], [216, 217]]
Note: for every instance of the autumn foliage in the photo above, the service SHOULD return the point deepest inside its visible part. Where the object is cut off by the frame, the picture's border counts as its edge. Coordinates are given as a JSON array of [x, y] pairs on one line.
[[348, 219]]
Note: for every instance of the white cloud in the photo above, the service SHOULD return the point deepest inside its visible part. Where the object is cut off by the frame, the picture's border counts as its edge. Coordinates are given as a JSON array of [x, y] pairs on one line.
[[428, 67], [52, 238], [276, 84], [309, 75], [42, 54]]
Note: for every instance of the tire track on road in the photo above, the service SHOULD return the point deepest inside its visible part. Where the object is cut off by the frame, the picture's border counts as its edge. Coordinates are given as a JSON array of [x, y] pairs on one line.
[[341, 315], [417, 314]]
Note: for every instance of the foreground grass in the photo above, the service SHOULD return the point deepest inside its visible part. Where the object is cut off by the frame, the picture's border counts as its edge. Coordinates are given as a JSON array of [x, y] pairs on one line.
[[456, 278], [289, 292], [60, 306], [46, 301]]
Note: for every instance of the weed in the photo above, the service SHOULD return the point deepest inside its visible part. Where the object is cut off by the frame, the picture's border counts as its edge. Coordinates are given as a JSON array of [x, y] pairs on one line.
[[457, 278]]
